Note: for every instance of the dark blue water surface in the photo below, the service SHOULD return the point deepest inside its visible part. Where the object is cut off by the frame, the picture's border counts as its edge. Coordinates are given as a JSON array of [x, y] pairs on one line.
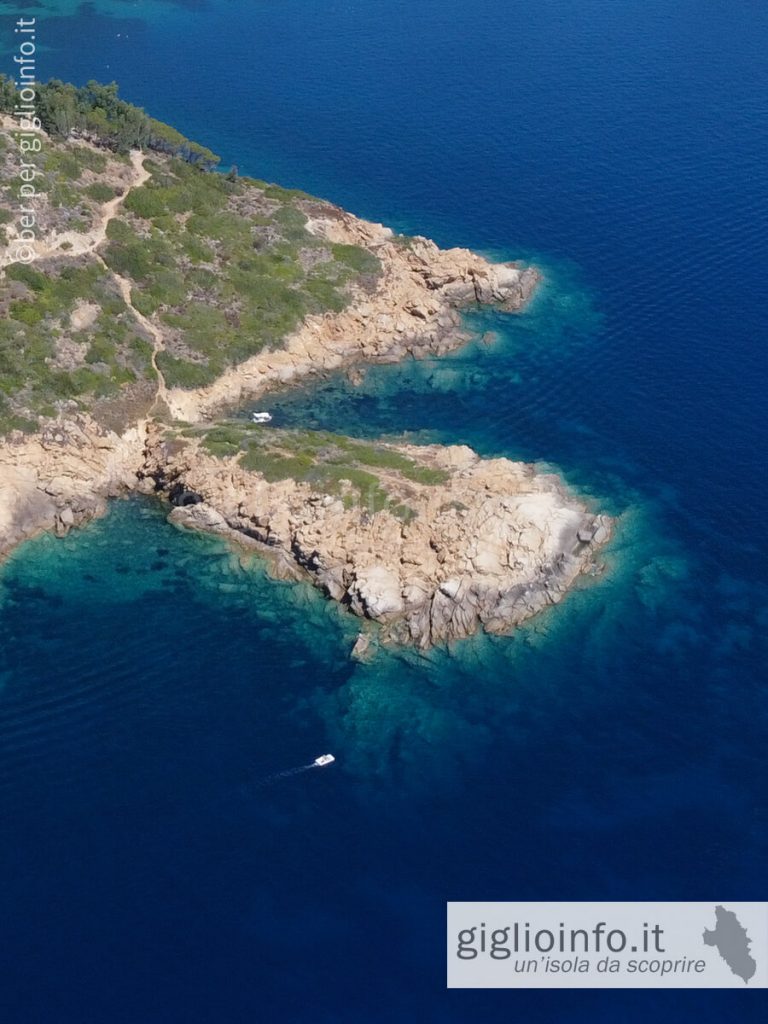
[[152, 684]]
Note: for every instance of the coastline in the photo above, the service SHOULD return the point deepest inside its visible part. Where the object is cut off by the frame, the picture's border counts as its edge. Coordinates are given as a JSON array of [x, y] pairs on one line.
[[490, 543], [485, 545], [414, 312]]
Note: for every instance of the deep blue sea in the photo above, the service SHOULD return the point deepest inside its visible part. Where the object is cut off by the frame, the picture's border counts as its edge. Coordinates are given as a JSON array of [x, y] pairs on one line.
[[154, 870]]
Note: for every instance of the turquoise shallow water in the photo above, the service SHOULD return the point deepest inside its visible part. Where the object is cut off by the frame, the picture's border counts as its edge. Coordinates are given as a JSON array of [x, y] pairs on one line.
[[151, 686]]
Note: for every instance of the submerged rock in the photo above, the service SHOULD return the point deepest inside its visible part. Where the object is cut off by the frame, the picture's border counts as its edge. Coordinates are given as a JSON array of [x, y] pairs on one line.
[[363, 648]]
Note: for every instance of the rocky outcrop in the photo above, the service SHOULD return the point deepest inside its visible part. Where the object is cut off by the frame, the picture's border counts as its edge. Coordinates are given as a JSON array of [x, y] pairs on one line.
[[412, 313], [485, 549], [62, 477]]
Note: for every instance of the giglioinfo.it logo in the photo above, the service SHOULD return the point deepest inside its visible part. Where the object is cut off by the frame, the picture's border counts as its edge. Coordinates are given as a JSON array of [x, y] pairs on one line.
[[608, 945]]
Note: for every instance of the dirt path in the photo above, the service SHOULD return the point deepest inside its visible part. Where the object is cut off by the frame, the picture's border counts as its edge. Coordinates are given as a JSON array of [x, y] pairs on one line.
[[82, 242], [87, 242], [124, 287]]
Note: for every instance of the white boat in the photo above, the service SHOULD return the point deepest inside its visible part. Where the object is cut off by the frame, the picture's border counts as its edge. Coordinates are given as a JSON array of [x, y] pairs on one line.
[[324, 759], [261, 417]]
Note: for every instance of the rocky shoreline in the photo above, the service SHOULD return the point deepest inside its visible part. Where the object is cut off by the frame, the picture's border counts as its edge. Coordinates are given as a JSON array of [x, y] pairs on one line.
[[487, 547], [483, 544], [62, 477], [414, 312]]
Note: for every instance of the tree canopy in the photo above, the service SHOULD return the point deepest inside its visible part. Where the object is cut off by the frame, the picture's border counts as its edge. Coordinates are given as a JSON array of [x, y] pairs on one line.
[[96, 111]]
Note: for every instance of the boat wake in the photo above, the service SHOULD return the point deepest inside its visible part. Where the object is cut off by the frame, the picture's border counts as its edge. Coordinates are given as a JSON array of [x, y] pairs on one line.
[[319, 762]]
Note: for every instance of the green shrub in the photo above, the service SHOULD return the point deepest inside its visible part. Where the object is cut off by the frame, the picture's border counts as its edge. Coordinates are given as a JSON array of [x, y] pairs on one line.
[[274, 466], [120, 231], [356, 258], [282, 195], [100, 193], [27, 313], [196, 249], [137, 257], [65, 164], [91, 159], [101, 350], [292, 223], [181, 373], [326, 294], [27, 275], [224, 227]]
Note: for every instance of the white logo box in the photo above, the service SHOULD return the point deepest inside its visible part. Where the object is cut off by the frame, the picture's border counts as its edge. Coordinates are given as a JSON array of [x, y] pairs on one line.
[[608, 945]]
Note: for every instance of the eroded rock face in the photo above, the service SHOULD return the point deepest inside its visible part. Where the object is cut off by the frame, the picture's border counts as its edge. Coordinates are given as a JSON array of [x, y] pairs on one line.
[[486, 549], [61, 477], [375, 592]]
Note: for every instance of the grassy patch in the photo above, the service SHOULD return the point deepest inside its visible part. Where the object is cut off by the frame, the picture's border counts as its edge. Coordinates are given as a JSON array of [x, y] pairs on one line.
[[100, 192], [181, 373], [356, 258], [330, 463]]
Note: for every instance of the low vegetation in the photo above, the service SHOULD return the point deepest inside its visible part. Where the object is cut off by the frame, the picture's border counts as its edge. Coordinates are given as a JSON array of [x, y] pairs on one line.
[[227, 266], [49, 355], [224, 265], [328, 462]]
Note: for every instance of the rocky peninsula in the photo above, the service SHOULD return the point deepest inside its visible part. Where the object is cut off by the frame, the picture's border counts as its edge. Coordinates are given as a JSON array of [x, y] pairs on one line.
[[159, 296], [437, 544]]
